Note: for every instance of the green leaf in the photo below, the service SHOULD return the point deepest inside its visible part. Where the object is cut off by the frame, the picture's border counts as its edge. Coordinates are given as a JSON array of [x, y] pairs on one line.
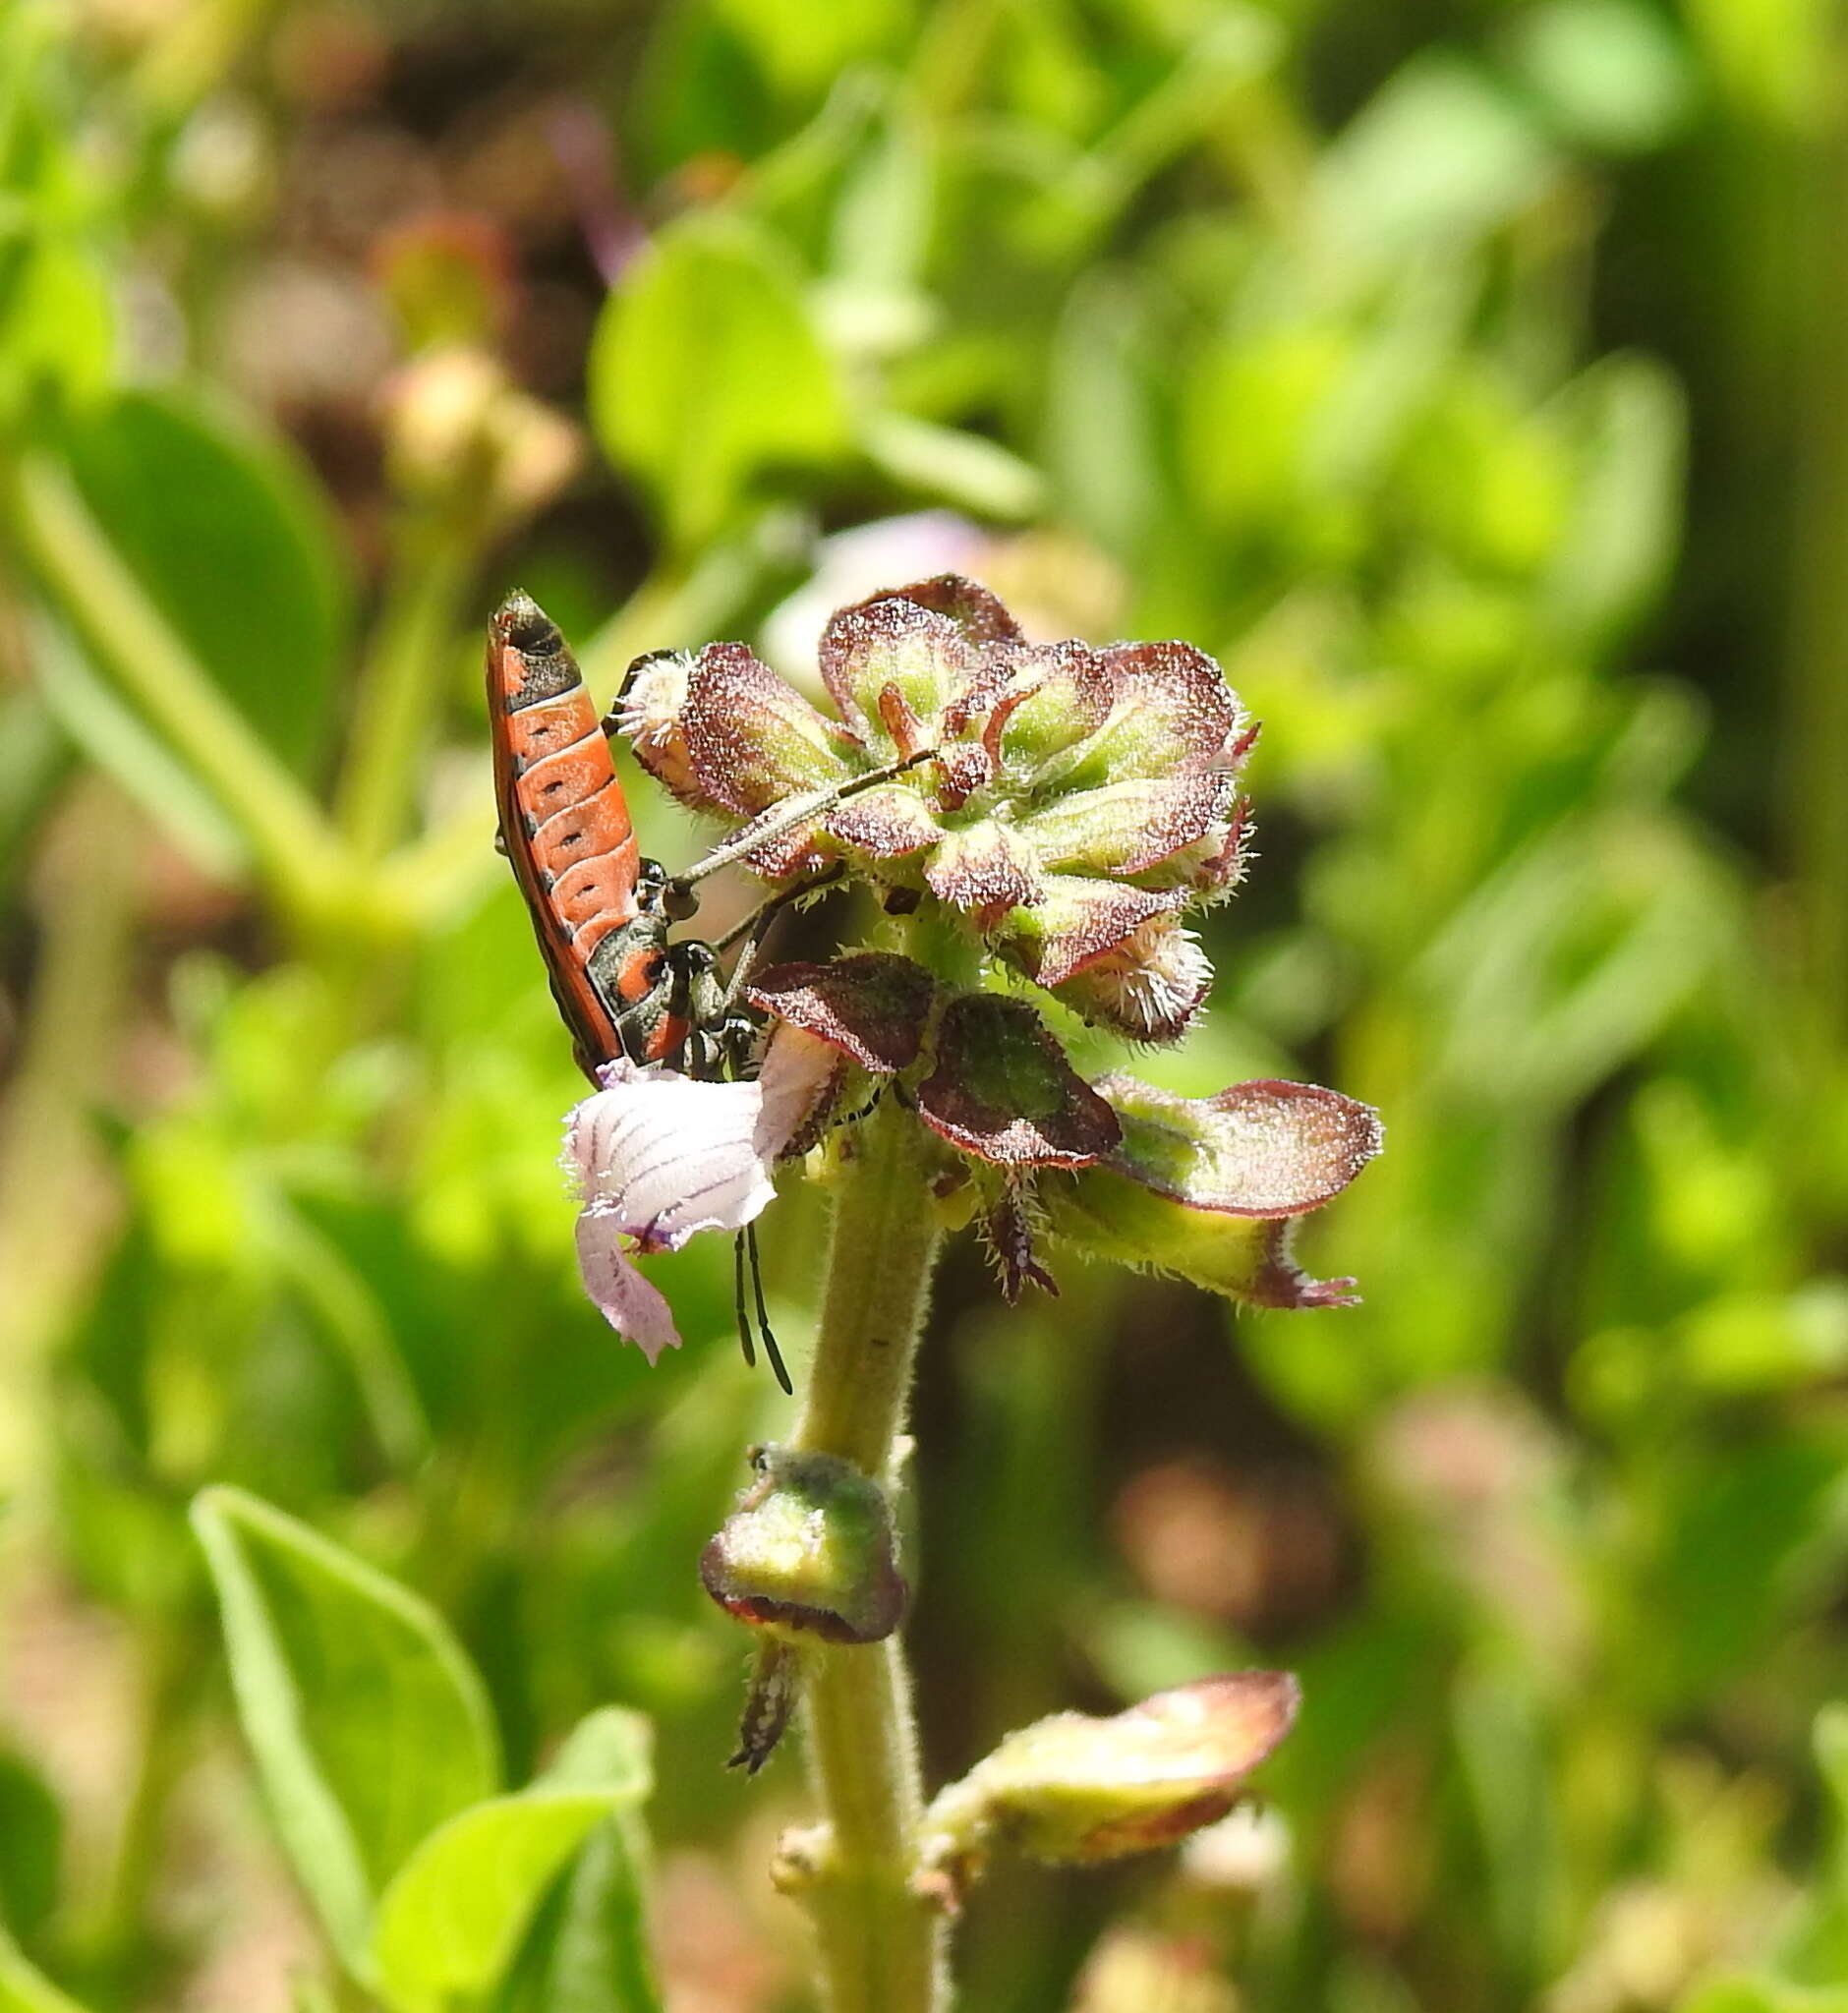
[[961, 468], [24, 1988], [229, 536], [593, 1957], [31, 1830], [706, 372], [369, 1725], [1625, 526], [1610, 74], [1440, 155], [452, 1922], [1764, 1995], [117, 739]]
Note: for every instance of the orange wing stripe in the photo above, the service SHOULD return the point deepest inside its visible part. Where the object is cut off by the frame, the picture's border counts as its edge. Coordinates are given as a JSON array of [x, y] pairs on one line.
[[550, 724], [597, 896], [557, 783]]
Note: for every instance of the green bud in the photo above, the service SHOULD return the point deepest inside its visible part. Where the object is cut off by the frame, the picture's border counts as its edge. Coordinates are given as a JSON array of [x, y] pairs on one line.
[[1076, 1790], [808, 1554]]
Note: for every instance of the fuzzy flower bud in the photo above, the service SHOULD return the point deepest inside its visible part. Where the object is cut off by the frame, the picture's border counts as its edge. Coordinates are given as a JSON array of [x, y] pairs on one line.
[[1076, 1790], [1066, 804], [809, 1552]]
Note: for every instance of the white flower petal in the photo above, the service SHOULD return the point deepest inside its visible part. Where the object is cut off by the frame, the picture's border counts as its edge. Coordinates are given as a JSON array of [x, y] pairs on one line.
[[657, 1156], [665, 1156], [633, 1306]]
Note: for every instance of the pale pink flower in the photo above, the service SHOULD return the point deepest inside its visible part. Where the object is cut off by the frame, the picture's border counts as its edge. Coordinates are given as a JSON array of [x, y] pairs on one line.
[[657, 1157]]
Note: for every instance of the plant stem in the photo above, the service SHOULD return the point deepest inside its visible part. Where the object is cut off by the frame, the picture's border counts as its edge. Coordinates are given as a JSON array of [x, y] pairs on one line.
[[880, 1947], [420, 625], [298, 850]]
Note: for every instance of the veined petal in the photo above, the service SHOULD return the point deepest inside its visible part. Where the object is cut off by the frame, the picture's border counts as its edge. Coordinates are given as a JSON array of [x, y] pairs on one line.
[[633, 1306], [657, 1157], [663, 1156]]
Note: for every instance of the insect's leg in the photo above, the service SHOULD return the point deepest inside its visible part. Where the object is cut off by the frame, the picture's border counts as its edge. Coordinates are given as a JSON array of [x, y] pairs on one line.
[[762, 1314], [737, 1303], [755, 927]]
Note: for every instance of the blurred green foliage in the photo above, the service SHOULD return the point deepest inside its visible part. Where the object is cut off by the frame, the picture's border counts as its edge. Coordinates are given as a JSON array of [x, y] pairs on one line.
[[1446, 368]]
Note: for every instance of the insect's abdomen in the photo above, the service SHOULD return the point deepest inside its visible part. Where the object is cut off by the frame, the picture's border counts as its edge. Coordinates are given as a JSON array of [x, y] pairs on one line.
[[567, 826]]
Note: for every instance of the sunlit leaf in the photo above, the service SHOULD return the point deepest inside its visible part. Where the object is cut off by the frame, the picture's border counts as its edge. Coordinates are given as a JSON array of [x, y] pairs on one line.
[[590, 1952], [227, 534], [706, 373], [368, 1724], [24, 1988]]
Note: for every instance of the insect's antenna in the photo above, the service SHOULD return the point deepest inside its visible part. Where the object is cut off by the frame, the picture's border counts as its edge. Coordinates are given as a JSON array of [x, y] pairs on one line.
[[737, 1303], [763, 1317], [797, 810]]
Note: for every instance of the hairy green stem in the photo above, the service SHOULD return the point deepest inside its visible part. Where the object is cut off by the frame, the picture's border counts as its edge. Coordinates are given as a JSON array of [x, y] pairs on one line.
[[880, 1947]]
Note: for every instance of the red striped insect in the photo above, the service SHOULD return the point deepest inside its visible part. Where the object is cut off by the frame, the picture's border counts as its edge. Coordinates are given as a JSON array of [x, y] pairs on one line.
[[599, 911]]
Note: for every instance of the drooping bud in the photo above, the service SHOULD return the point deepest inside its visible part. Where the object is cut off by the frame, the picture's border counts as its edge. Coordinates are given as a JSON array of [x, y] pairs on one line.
[[1208, 1187], [809, 1552], [1074, 1790]]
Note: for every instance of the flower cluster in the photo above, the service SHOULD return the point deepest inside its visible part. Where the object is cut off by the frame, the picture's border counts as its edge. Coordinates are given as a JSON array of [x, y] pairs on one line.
[[1068, 804], [1060, 807]]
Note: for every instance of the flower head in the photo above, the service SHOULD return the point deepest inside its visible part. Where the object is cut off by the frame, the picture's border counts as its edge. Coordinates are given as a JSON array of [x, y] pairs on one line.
[[1065, 803]]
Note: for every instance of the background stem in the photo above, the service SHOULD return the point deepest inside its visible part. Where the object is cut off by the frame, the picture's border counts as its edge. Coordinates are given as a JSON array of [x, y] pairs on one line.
[[419, 628], [880, 1946]]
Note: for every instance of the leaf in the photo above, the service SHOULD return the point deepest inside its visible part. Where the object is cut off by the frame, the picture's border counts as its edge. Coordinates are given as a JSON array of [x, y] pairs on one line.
[[1764, 1995], [231, 540], [369, 1725], [1625, 526], [31, 1830], [24, 1988], [1611, 75], [706, 371], [959, 468], [1440, 155], [452, 1922], [117, 739]]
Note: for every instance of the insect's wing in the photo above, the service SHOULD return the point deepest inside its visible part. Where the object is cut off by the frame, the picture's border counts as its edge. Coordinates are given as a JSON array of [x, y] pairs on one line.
[[565, 826]]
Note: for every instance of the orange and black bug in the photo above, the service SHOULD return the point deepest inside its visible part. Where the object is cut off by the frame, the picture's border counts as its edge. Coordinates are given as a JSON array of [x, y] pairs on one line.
[[599, 911]]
